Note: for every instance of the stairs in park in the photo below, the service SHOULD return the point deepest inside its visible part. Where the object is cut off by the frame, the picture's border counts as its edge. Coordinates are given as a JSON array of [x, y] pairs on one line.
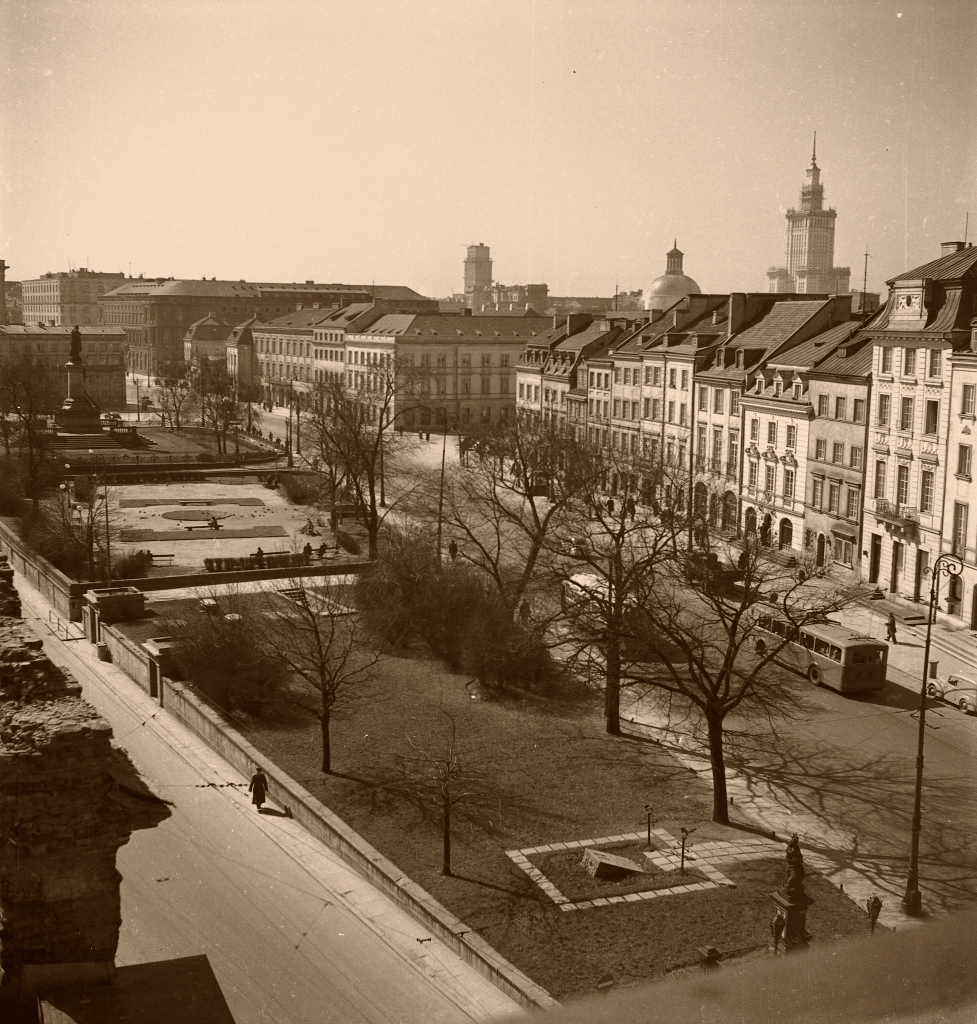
[[82, 442]]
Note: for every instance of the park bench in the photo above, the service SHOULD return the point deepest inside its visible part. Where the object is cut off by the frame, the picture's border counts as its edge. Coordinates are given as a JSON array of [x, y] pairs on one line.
[[162, 559], [202, 526]]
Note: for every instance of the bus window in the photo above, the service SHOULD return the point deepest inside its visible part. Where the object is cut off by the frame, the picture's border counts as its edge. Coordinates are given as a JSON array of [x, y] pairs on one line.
[[808, 641], [859, 657], [821, 646], [835, 654], [777, 627], [763, 622]]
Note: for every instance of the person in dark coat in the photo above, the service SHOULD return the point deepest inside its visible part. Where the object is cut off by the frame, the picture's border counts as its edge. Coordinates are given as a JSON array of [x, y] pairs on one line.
[[890, 629], [258, 787]]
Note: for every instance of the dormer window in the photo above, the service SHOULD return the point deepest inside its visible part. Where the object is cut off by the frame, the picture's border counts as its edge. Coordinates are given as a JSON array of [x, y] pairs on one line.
[[739, 359], [778, 388], [759, 385], [797, 391]]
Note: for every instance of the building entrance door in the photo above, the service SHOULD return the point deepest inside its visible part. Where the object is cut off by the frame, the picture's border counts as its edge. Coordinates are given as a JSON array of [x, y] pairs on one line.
[[897, 551], [875, 559], [922, 564]]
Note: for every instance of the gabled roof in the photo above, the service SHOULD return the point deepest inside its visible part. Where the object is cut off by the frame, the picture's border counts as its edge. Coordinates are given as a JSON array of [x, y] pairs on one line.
[[946, 268], [208, 328], [448, 328], [301, 318], [809, 353], [852, 358], [777, 324], [153, 287]]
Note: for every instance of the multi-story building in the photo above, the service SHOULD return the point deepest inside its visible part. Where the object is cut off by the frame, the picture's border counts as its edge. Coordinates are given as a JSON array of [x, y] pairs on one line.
[[242, 359], [329, 337], [478, 276], [534, 359], [839, 390], [926, 320], [810, 244], [156, 312], [465, 364], [772, 425], [516, 298], [67, 298], [103, 354], [564, 371], [959, 598], [286, 355], [206, 341], [278, 299]]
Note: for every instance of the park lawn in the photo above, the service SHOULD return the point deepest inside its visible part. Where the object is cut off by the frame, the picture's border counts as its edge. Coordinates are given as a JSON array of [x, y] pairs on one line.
[[551, 774]]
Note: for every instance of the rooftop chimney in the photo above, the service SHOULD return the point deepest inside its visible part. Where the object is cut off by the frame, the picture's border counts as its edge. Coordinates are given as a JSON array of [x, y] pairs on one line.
[[949, 248]]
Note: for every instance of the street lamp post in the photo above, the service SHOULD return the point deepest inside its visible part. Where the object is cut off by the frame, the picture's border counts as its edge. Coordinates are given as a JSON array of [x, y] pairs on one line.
[[444, 448], [105, 501], [945, 565]]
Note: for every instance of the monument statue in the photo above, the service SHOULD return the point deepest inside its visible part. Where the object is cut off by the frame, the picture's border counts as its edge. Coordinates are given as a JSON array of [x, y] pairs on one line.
[[75, 355], [793, 869]]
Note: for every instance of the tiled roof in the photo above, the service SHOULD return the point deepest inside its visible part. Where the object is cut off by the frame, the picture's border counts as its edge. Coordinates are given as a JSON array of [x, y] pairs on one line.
[[449, 328], [151, 287], [853, 358], [303, 318], [271, 287], [943, 269], [40, 329], [581, 339], [809, 352], [777, 324]]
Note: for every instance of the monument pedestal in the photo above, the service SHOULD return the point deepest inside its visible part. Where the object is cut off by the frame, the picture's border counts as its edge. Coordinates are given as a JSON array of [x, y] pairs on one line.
[[793, 911], [80, 413]]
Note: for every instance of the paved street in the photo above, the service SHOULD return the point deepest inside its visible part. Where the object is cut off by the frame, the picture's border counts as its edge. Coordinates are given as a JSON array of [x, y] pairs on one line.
[[294, 935]]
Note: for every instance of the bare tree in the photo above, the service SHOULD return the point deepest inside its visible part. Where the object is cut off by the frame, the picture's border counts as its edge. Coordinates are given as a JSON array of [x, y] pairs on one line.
[[696, 618], [173, 392], [216, 391], [353, 429], [443, 772], [518, 486], [25, 392], [314, 632], [615, 547]]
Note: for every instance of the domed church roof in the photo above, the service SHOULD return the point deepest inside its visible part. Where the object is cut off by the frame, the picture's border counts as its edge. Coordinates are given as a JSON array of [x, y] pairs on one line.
[[673, 284]]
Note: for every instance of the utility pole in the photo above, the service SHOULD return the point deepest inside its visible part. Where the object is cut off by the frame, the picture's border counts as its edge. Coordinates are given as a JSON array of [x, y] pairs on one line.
[[865, 280]]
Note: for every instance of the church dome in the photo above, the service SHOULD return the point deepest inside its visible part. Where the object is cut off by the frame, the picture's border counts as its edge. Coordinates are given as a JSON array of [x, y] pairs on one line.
[[673, 284]]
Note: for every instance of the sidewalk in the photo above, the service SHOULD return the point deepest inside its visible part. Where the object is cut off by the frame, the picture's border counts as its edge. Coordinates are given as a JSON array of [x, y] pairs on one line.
[[293, 934]]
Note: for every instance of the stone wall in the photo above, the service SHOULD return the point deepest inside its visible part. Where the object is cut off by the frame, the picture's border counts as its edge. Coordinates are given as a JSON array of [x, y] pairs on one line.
[[68, 801]]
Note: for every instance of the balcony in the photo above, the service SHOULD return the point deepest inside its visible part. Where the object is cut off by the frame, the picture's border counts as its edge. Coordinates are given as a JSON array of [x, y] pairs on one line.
[[899, 519]]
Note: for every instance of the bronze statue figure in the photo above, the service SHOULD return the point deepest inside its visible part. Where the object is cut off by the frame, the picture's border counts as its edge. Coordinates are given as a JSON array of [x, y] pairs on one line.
[[75, 354], [794, 869]]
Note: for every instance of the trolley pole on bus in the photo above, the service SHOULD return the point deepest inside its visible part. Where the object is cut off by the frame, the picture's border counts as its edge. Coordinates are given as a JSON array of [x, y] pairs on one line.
[[945, 565]]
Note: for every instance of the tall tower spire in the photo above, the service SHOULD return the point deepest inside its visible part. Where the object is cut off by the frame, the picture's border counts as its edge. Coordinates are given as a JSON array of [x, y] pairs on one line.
[[814, 152]]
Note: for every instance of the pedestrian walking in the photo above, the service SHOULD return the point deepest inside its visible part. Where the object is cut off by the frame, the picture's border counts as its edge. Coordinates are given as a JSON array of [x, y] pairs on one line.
[[258, 787], [890, 628]]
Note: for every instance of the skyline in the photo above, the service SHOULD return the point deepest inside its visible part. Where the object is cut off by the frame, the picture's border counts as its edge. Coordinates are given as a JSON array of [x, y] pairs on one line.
[[242, 141]]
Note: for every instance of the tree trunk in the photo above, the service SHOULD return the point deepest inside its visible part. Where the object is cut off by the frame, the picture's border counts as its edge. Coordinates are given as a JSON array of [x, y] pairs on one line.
[[326, 751], [720, 812], [612, 687], [446, 838]]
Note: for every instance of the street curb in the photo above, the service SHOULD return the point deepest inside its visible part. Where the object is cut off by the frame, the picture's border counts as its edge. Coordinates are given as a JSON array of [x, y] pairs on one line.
[[320, 822]]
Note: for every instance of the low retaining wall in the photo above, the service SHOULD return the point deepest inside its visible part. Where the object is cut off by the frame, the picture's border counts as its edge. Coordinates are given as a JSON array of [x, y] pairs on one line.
[[320, 822], [128, 655], [56, 588]]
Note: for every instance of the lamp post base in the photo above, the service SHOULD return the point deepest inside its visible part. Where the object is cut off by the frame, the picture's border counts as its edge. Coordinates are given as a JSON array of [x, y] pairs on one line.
[[912, 903]]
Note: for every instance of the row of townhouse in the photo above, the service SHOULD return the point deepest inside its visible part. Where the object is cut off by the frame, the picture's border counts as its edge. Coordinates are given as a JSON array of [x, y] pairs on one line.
[[845, 437]]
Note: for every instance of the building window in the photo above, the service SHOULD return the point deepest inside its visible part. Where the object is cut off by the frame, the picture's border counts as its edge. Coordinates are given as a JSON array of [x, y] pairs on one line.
[[681, 413], [853, 501], [671, 378], [936, 363], [685, 380], [703, 399], [856, 457], [627, 375], [647, 408], [770, 478], [879, 479], [772, 433], [617, 374], [859, 410], [932, 424], [886, 366], [590, 378], [902, 485], [671, 412], [788, 485], [884, 402], [656, 376], [834, 498], [754, 471], [617, 408], [647, 375], [656, 408], [821, 449], [717, 400], [906, 414], [701, 442], [909, 362], [734, 403], [504, 361], [754, 430], [522, 393], [817, 496], [778, 388], [822, 405], [841, 410], [791, 435], [734, 452], [717, 447], [960, 510], [969, 400], [964, 455], [837, 452], [926, 491]]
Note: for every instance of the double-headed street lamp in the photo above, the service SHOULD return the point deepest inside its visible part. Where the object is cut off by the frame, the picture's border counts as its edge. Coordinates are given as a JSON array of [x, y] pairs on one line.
[[945, 565]]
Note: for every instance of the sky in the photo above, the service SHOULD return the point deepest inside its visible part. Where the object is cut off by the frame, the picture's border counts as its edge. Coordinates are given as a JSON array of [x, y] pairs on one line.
[[282, 140]]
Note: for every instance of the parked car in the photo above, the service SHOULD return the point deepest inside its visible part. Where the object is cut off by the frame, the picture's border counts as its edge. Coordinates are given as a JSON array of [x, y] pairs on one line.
[[957, 690]]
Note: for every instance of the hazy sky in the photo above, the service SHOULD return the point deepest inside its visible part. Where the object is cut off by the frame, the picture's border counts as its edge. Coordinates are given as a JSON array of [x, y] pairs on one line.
[[373, 140]]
